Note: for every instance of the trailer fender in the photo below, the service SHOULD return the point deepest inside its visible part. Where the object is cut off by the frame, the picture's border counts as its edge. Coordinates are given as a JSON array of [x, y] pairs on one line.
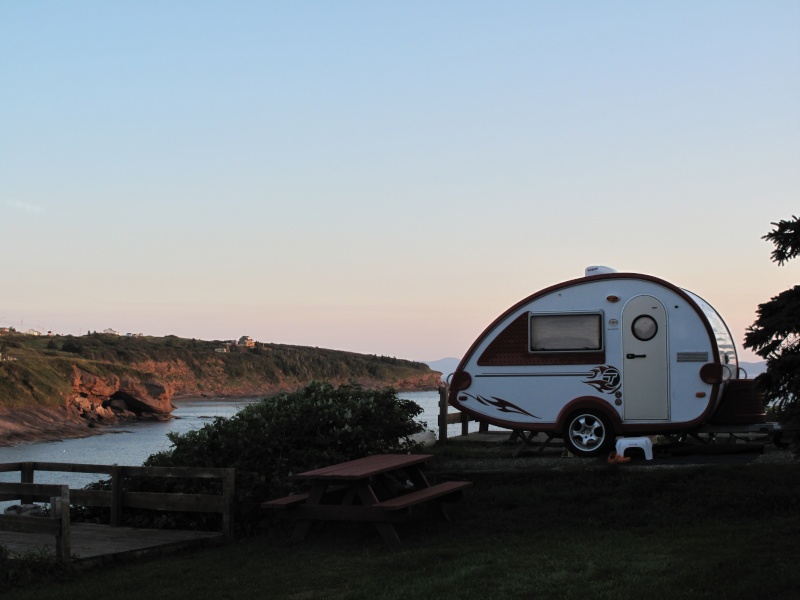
[[588, 402]]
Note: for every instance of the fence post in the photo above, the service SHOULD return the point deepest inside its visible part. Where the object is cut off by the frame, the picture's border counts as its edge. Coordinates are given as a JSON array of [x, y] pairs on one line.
[[59, 509], [26, 476], [116, 496], [443, 414]]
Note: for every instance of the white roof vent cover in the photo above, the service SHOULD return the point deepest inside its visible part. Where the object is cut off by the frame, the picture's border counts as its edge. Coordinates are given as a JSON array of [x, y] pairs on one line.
[[598, 270]]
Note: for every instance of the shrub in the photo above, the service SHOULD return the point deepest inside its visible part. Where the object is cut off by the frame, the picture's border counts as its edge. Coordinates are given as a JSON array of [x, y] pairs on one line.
[[268, 441], [72, 346]]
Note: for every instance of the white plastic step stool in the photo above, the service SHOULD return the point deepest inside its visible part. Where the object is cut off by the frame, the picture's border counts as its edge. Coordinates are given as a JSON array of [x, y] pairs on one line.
[[635, 442]]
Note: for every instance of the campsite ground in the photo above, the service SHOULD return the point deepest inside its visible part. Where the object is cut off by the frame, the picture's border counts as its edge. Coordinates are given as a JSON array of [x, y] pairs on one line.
[[531, 527], [494, 451]]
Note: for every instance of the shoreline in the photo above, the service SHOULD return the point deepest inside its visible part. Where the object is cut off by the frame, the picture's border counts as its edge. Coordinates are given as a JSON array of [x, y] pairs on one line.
[[29, 425], [35, 424]]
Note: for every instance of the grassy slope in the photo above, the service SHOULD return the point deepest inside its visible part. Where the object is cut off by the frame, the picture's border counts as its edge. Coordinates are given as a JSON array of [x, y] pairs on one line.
[[40, 375], [607, 533]]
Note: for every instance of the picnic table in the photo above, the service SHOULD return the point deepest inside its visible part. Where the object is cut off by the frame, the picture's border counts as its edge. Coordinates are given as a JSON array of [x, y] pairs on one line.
[[381, 489]]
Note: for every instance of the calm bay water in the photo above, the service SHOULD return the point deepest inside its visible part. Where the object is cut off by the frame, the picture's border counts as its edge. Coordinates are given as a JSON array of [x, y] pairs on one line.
[[131, 443]]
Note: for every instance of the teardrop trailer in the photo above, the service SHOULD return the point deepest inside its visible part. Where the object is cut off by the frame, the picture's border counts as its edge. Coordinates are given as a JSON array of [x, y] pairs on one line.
[[605, 355]]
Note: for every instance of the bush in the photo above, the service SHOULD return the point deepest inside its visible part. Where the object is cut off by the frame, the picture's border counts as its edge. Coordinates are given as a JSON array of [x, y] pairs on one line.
[[288, 433]]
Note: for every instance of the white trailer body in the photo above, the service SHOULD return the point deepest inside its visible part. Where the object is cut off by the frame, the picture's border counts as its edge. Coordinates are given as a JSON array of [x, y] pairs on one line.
[[604, 355]]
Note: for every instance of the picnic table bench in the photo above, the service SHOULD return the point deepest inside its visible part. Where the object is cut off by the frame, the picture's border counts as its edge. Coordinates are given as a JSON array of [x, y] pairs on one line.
[[382, 489]]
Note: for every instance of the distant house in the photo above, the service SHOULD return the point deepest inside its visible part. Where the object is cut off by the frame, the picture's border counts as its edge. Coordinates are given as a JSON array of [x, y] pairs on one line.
[[5, 330], [222, 349], [33, 332], [247, 341], [110, 331], [134, 335]]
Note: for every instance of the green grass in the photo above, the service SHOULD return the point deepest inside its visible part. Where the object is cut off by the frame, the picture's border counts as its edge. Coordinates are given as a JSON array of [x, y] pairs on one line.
[[600, 533]]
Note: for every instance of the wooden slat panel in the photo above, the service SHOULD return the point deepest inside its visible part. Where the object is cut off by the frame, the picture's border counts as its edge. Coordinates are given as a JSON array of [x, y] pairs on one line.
[[42, 490], [71, 467], [439, 490], [286, 501], [30, 524], [187, 502], [454, 418], [128, 471], [10, 467], [362, 468]]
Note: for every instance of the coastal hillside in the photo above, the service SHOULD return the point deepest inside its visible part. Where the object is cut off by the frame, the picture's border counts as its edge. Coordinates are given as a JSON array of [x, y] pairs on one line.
[[78, 382]]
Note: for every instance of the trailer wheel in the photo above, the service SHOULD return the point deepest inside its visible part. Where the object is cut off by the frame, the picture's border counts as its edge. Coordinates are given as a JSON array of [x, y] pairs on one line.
[[588, 433]]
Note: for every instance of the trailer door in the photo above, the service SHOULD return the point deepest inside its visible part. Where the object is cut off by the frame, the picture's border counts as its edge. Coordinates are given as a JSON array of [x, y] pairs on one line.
[[645, 376]]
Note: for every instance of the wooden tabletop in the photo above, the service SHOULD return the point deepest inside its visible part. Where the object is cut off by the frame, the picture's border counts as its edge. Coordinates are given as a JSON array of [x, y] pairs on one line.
[[363, 468]]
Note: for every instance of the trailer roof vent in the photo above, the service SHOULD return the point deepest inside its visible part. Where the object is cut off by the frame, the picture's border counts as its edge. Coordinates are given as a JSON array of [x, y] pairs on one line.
[[598, 270]]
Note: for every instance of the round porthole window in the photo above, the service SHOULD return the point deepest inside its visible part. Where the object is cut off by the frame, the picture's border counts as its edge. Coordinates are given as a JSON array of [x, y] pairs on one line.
[[644, 328]]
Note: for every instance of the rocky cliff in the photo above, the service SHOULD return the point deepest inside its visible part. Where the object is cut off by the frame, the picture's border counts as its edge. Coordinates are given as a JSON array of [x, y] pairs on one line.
[[111, 398], [74, 387]]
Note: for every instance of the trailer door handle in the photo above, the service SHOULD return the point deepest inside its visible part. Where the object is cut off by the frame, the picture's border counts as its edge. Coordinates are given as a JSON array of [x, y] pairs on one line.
[[636, 356]]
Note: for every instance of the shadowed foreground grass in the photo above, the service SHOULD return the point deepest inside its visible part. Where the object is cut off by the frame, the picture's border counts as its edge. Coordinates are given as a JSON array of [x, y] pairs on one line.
[[695, 532]]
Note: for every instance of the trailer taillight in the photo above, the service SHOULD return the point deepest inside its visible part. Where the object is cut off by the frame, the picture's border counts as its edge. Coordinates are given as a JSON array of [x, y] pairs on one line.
[[461, 380], [715, 373]]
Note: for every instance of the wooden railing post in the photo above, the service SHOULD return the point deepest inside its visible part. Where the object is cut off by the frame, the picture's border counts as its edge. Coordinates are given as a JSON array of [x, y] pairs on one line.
[[26, 476], [116, 496], [59, 510], [443, 414]]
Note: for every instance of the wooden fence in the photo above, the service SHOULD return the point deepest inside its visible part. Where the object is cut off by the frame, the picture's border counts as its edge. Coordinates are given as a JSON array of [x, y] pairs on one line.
[[447, 418], [117, 498]]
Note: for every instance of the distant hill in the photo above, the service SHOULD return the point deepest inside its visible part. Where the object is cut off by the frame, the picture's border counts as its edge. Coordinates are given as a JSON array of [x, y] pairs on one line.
[[102, 378], [444, 365], [753, 369]]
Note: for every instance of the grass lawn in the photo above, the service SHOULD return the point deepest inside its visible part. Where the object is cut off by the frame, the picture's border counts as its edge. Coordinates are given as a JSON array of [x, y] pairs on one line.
[[720, 531]]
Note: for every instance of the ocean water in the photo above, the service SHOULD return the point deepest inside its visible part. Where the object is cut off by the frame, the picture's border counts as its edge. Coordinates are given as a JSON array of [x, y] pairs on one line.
[[132, 442]]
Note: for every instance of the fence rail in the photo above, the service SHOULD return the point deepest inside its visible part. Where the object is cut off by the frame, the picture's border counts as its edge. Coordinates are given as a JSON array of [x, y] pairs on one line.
[[447, 418], [117, 498]]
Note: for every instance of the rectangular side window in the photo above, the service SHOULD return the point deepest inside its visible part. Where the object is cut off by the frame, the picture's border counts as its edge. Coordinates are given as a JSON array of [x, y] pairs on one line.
[[566, 332]]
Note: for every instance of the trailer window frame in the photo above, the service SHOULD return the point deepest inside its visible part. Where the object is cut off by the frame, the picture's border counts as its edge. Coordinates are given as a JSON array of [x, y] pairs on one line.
[[593, 332]]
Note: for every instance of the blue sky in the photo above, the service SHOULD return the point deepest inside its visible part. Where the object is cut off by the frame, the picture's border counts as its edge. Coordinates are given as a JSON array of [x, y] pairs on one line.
[[385, 177]]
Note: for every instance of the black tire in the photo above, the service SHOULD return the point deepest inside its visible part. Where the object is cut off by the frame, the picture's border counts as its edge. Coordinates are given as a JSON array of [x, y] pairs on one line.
[[588, 433]]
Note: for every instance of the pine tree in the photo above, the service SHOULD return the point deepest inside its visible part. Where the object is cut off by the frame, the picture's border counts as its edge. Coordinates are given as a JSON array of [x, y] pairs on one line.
[[775, 336]]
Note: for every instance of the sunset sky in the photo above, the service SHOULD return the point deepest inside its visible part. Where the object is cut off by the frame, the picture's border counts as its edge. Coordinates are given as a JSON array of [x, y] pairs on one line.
[[386, 177]]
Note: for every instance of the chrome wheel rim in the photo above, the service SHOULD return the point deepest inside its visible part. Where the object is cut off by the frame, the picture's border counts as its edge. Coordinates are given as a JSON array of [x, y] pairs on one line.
[[587, 432]]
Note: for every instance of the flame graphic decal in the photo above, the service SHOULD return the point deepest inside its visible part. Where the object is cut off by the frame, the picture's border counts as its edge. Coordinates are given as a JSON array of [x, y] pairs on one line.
[[605, 379], [501, 405]]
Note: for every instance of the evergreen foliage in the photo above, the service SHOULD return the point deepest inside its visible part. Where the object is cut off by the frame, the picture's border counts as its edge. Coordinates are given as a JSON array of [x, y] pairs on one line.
[[775, 336]]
